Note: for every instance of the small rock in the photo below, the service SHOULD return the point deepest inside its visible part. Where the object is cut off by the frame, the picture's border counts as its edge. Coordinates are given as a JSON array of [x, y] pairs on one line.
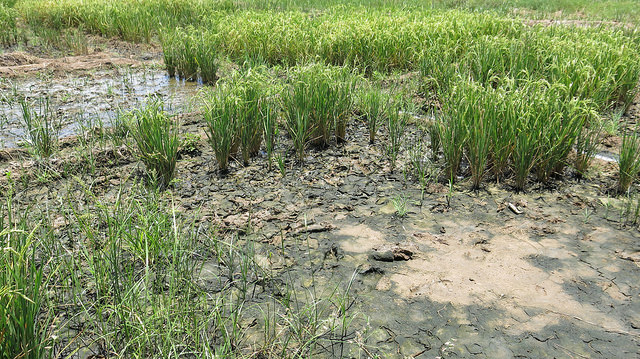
[[402, 254], [383, 256], [367, 268]]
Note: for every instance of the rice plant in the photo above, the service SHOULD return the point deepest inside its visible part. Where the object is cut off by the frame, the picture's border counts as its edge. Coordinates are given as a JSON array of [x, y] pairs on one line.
[[23, 283], [250, 121], [41, 127], [502, 131], [221, 116], [373, 103], [452, 135], [156, 139], [564, 120], [9, 30], [475, 109], [629, 162], [587, 142], [297, 117], [421, 166], [317, 105], [396, 125], [269, 115], [525, 151], [434, 138]]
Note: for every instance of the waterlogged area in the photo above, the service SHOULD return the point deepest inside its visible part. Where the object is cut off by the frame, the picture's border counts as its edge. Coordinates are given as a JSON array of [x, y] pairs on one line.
[[80, 102]]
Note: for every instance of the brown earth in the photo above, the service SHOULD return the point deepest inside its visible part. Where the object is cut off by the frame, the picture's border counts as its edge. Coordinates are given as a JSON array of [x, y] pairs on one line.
[[17, 64]]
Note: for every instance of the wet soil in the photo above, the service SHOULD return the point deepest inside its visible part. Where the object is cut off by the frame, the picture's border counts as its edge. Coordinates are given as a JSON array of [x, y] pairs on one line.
[[86, 95]]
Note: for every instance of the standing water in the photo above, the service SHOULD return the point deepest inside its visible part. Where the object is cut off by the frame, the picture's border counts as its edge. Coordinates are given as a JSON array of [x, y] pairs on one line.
[[88, 100]]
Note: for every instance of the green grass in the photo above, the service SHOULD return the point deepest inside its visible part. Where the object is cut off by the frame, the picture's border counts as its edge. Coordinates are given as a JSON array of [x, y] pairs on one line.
[[373, 102], [318, 105], [133, 278], [629, 161], [9, 31], [156, 142], [23, 281], [41, 127]]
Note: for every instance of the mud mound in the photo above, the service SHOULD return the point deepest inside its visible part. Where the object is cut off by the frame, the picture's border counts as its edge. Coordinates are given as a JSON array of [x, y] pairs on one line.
[[20, 64], [17, 59]]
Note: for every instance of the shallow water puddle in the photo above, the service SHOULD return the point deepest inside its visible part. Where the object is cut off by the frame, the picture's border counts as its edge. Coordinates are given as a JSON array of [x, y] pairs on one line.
[[89, 100]]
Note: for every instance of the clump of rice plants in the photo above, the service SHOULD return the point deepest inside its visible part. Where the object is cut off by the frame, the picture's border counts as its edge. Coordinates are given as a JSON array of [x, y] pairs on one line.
[[221, 116], [190, 54], [373, 103], [396, 125], [257, 112], [240, 113], [156, 138], [23, 283], [531, 126], [318, 104], [41, 127], [587, 142], [629, 161], [9, 30]]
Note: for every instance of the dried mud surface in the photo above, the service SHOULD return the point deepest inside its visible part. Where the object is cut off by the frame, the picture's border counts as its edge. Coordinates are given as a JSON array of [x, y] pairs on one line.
[[20, 64]]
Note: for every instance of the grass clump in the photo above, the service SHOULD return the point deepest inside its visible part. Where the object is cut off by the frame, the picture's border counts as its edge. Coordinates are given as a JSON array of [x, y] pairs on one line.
[[156, 139], [41, 127], [317, 105], [373, 103], [240, 113], [221, 114], [452, 137], [396, 125], [23, 327], [629, 161], [587, 142], [9, 31]]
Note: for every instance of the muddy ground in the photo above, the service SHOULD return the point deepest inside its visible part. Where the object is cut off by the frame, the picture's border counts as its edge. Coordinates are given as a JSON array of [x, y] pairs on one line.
[[491, 274]]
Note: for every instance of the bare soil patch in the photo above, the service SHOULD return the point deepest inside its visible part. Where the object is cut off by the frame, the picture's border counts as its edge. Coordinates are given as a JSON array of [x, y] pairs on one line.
[[21, 64]]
